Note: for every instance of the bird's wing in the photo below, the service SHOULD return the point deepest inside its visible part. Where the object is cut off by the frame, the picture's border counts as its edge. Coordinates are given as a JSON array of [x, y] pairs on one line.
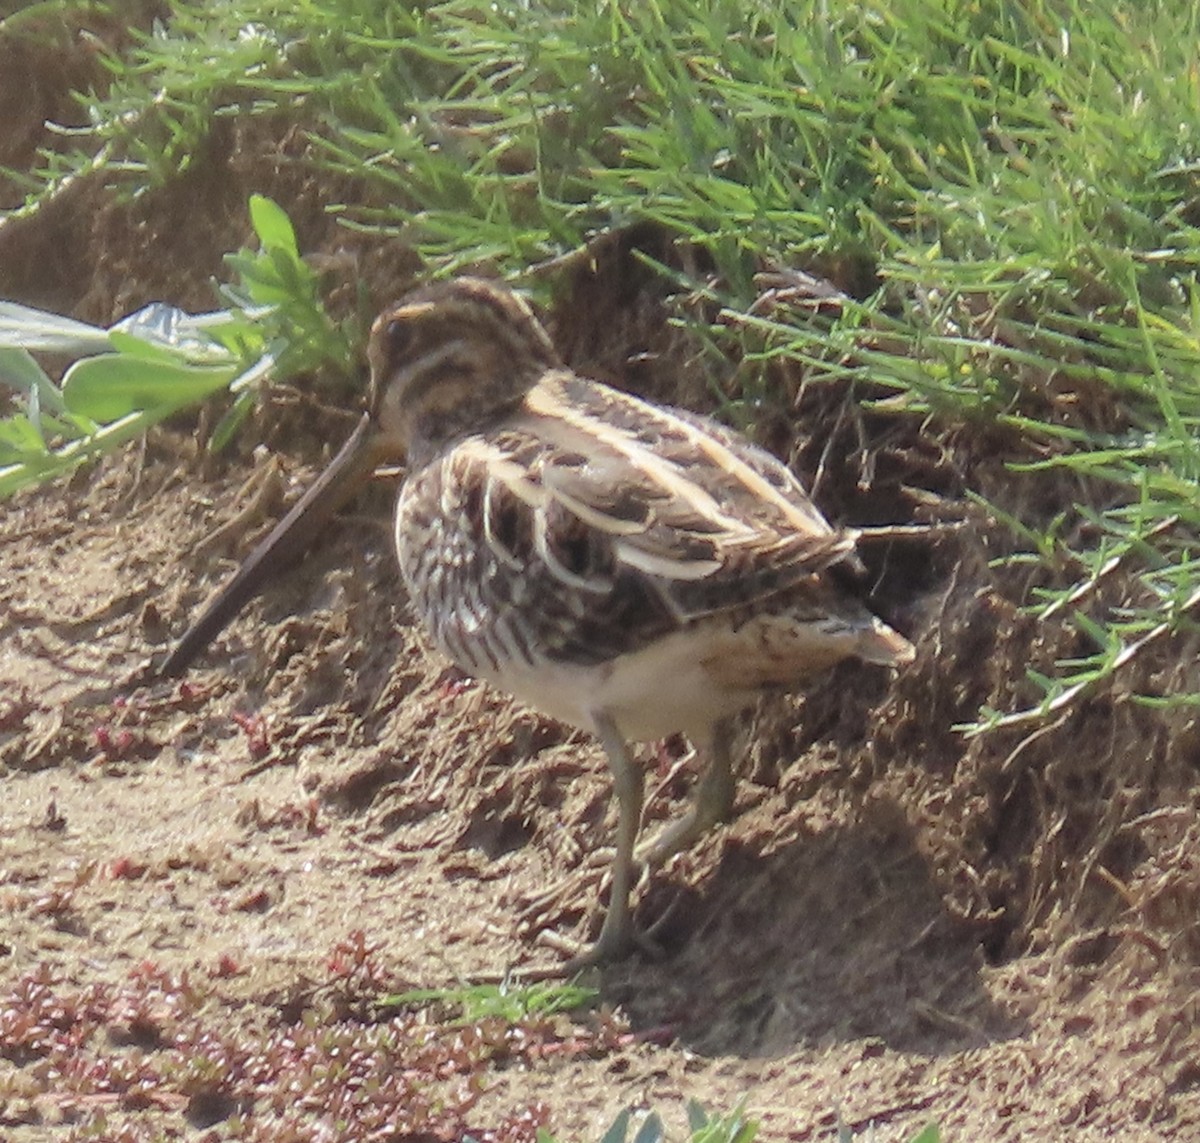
[[709, 521], [617, 497]]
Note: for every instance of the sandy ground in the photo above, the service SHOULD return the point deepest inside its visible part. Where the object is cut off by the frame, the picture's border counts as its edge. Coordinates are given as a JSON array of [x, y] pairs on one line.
[[323, 776]]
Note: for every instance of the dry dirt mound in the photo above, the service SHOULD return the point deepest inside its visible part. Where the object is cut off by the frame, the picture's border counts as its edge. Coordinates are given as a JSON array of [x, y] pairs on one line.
[[903, 924]]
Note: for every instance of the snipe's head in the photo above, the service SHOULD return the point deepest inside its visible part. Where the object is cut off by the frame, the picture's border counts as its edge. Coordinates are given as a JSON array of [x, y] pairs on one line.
[[451, 357], [444, 360]]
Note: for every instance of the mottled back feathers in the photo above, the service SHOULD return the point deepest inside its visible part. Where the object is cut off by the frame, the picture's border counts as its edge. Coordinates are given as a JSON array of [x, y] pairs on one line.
[[609, 523]]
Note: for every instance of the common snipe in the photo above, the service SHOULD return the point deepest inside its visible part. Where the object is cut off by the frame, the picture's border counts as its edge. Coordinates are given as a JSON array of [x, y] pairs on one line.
[[626, 568]]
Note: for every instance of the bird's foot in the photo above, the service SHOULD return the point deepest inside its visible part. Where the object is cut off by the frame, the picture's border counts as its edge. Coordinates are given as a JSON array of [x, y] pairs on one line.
[[542, 916], [615, 943], [672, 839], [549, 908]]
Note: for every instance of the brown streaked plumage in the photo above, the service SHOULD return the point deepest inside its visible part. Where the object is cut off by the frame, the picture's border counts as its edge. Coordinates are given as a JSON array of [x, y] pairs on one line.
[[623, 567]]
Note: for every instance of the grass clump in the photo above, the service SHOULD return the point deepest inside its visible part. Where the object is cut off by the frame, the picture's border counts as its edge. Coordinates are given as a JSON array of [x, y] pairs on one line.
[[999, 201], [512, 1003]]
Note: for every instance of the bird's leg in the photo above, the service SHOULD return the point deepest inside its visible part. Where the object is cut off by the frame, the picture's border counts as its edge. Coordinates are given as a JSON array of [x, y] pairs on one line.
[[712, 802], [616, 935]]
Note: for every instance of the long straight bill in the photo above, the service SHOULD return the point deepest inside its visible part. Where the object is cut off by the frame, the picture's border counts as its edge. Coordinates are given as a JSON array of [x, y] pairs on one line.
[[282, 549]]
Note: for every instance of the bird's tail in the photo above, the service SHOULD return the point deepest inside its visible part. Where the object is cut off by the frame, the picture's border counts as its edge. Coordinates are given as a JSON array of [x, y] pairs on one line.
[[879, 643]]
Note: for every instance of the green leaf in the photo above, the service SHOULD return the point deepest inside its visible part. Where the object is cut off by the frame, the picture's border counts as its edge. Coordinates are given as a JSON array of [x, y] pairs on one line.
[[128, 345], [115, 384], [272, 225], [651, 1130], [731, 1128], [62, 461], [19, 371], [19, 439], [22, 327], [618, 1130], [231, 421]]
